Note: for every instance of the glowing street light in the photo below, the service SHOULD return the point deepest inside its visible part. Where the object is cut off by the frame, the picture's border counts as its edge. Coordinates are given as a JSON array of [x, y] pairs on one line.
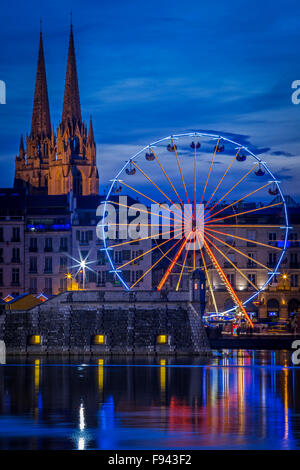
[[82, 266]]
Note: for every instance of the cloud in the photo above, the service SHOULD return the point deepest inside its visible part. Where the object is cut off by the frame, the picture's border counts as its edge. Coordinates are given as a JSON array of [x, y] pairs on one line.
[[282, 153]]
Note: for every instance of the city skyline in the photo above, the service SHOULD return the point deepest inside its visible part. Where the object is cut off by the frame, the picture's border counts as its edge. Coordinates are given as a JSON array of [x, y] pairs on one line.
[[136, 92]]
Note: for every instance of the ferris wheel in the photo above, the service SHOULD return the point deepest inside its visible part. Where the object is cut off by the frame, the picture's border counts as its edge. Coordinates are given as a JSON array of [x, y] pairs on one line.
[[203, 201]]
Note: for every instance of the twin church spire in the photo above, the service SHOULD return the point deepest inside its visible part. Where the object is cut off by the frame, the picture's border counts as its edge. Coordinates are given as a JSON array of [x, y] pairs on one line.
[[40, 125], [62, 162], [71, 106]]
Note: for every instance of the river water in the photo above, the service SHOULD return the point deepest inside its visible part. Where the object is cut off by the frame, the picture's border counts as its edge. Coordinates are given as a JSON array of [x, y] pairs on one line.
[[234, 400]]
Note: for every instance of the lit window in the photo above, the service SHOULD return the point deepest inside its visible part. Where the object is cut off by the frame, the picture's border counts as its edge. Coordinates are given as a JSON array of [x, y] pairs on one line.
[[35, 339], [162, 339], [99, 339]]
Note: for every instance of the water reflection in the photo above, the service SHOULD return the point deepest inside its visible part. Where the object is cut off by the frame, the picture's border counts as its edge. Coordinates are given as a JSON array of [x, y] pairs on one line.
[[234, 400]]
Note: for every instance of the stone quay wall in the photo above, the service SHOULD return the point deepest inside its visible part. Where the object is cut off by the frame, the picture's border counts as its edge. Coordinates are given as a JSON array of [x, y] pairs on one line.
[[129, 322]]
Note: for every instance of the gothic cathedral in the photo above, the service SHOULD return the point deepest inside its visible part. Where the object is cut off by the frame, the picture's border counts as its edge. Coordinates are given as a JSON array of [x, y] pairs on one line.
[[65, 162]]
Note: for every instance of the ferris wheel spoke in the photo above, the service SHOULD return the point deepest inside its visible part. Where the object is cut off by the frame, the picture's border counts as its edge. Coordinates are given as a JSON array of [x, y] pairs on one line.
[[246, 212], [209, 171], [235, 202], [232, 264], [238, 251], [208, 277], [154, 184], [182, 267], [163, 170], [244, 226], [148, 251], [182, 178], [170, 268], [243, 238], [219, 184], [150, 199], [156, 263], [233, 187], [226, 282]]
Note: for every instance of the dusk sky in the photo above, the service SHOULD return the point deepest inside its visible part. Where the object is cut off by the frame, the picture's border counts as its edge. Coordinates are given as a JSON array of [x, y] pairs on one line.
[[149, 69]]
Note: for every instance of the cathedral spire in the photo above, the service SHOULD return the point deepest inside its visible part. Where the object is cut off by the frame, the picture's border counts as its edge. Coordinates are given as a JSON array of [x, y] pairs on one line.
[[22, 149], [40, 125], [71, 106], [91, 138]]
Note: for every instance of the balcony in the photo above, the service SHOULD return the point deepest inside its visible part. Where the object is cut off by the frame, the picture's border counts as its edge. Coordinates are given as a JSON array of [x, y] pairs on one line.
[[33, 249], [15, 260], [48, 271], [48, 249], [63, 248], [251, 264], [272, 265], [294, 265], [33, 271], [251, 244], [16, 240], [84, 242], [15, 283], [229, 265]]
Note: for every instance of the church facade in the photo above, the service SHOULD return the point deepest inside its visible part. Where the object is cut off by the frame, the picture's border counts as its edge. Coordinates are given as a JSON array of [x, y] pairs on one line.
[[65, 161]]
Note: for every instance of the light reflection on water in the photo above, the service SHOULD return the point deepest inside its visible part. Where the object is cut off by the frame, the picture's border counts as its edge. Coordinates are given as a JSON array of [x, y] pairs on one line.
[[235, 400]]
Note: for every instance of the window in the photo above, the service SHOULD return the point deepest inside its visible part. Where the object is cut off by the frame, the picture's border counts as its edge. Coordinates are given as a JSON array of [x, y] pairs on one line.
[[33, 285], [272, 237], [63, 244], [231, 278], [48, 285], [101, 278], [272, 260], [136, 275], [1, 234], [84, 237], [100, 258], [118, 257], [34, 340], [294, 260], [294, 280], [48, 264], [1, 255], [294, 239], [126, 275], [48, 244], [99, 339], [15, 255], [63, 284], [15, 234], [63, 263], [33, 244], [162, 339], [252, 278], [33, 264], [15, 278], [1, 277], [126, 255], [135, 254], [251, 261], [251, 235]]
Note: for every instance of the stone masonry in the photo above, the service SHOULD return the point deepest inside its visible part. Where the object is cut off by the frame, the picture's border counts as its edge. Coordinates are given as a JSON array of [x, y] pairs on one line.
[[129, 322]]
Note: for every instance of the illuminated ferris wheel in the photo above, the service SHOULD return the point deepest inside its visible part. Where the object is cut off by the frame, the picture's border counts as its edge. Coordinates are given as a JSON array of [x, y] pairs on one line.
[[202, 200]]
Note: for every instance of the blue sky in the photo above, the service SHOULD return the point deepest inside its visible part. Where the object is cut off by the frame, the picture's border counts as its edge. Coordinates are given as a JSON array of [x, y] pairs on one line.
[[149, 69]]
